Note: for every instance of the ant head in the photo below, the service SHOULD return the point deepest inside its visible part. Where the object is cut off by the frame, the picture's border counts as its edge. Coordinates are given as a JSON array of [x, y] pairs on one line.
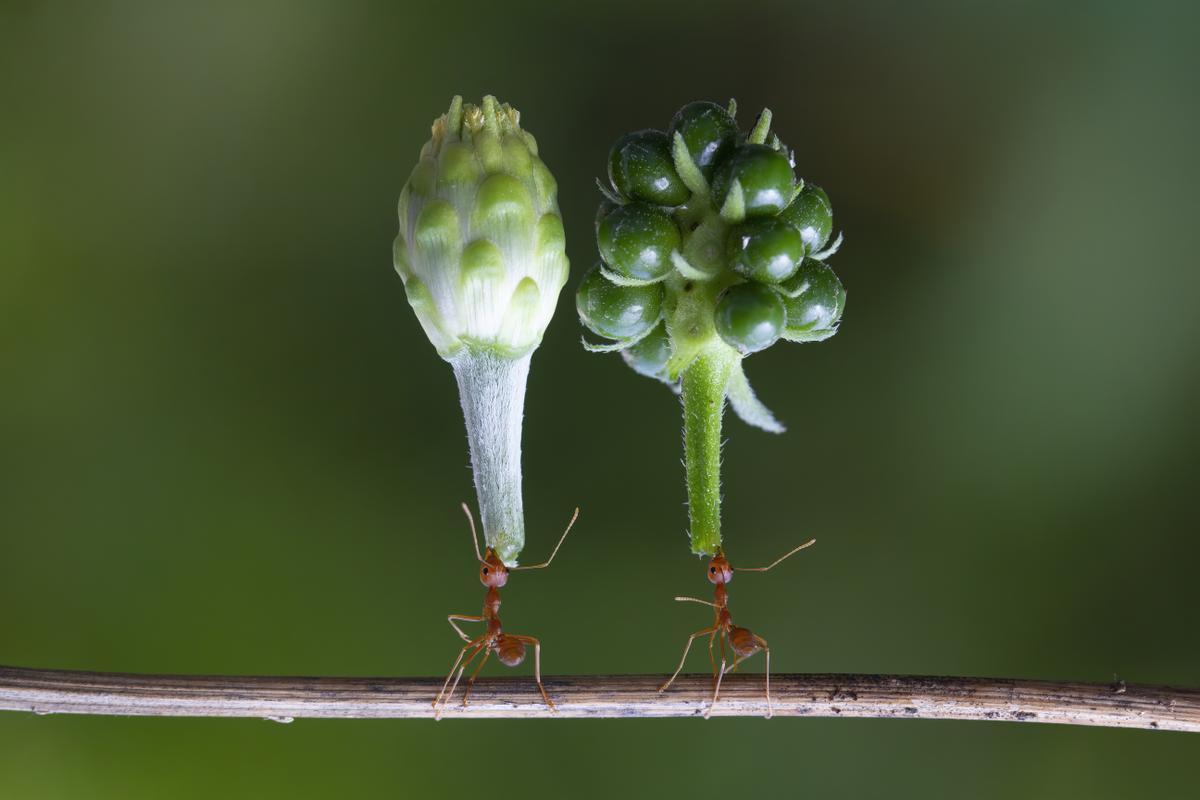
[[492, 572], [719, 570], [510, 651]]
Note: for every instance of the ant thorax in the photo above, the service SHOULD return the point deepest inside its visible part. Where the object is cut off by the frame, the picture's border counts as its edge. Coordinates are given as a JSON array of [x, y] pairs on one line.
[[491, 602]]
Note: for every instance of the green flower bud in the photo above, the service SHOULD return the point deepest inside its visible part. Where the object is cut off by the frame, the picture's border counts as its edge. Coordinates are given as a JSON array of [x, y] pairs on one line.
[[766, 249], [708, 132], [812, 215], [750, 317], [636, 241], [649, 357], [815, 301], [481, 248], [617, 312], [641, 168], [764, 175]]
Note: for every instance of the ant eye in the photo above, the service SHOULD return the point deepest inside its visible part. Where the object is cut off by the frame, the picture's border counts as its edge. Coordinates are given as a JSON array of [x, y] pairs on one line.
[[713, 570], [485, 570]]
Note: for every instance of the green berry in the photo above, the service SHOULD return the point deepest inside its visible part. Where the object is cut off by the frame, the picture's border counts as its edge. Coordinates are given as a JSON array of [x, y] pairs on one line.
[[617, 312], [766, 250], [816, 310], [636, 241], [812, 215], [765, 175], [649, 357], [750, 317], [641, 168], [708, 132]]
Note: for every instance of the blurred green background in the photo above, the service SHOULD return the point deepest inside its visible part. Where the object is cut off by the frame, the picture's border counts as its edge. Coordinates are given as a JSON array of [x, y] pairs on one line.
[[225, 445]]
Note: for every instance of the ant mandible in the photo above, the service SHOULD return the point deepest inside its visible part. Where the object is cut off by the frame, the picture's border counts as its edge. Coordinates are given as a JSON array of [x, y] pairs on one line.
[[509, 648], [742, 641]]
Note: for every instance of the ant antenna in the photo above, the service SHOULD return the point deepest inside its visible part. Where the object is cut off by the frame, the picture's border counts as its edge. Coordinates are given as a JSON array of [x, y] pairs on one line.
[[474, 536], [781, 558], [546, 563], [695, 600]]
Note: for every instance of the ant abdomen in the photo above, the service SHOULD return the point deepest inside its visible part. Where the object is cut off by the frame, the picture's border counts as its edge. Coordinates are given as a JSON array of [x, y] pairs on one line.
[[510, 651], [743, 641]]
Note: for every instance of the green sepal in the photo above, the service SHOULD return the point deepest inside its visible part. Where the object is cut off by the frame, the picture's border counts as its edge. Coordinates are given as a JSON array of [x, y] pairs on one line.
[[734, 209], [758, 135], [687, 270], [685, 165], [747, 405], [609, 195], [620, 345], [807, 338], [828, 251], [620, 280]]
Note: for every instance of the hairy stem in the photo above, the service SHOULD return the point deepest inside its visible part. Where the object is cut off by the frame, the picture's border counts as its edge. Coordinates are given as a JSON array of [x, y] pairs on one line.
[[492, 391], [704, 384]]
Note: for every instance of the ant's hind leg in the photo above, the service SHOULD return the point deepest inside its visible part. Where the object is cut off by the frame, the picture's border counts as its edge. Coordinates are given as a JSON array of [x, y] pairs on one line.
[[687, 648], [767, 654], [537, 667]]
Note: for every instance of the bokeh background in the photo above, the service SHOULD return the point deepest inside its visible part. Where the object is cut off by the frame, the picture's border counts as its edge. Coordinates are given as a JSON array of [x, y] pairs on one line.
[[225, 445]]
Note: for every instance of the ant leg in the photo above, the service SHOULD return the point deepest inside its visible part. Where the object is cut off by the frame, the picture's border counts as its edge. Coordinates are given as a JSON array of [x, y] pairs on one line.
[[481, 648], [686, 649], [712, 660], [767, 654], [762, 643], [537, 666], [471, 680], [462, 618], [461, 654], [720, 675]]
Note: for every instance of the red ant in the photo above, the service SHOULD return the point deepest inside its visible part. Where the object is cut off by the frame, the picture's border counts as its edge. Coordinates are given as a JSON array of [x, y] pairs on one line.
[[742, 641], [509, 648]]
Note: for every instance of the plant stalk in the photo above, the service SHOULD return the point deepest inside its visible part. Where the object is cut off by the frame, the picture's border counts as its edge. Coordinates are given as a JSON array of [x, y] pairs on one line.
[[704, 384], [492, 391]]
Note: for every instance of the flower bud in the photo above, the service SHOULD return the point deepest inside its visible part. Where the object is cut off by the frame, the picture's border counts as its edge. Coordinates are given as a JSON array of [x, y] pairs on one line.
[[481, 248]]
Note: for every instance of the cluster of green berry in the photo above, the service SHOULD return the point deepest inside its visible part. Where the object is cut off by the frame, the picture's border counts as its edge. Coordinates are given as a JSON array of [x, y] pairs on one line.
[[706, 230]]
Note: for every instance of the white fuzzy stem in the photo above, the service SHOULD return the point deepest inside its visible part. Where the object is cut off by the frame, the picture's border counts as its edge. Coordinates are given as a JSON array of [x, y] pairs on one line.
[[492, 391]]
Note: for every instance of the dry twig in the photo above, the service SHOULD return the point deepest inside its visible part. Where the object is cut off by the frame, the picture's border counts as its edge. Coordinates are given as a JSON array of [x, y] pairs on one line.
[[908, 697]]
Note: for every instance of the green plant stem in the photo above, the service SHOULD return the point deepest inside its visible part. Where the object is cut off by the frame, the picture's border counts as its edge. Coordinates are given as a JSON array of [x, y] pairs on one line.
[[704, 383]]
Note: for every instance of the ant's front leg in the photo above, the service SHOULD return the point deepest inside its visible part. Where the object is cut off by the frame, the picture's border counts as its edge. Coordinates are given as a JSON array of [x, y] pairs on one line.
[[439, 704], [687, 648], [474, 674], [720, 675]]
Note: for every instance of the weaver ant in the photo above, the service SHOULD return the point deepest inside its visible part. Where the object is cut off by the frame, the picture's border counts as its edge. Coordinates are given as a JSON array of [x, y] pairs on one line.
[[742, 641], [509, 648]]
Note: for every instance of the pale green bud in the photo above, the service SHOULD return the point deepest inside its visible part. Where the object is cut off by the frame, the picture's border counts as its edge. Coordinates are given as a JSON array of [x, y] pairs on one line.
[[481, 248]]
